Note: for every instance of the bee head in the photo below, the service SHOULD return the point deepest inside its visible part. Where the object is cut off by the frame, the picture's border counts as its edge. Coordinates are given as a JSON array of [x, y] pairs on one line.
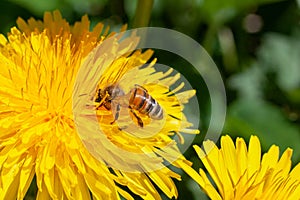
[[112, 91], [99, 96]]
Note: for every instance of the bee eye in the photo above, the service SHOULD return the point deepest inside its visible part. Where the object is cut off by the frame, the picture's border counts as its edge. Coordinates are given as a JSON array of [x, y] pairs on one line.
[[99, 96], [109, 92]]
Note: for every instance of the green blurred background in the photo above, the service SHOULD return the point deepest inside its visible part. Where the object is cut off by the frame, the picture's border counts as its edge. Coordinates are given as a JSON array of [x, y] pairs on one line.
[[255, 44]]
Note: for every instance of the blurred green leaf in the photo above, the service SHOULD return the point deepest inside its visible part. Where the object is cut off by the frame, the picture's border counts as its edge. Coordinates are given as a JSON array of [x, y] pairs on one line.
[[66, 7], [142, 13], [130, 6], [228, 49], [280, 55], [250, 116], [196, 191], [298, 2], [249, 83], [9, 14], [277, 68], [38, 7], [294, 96], [220, 12]]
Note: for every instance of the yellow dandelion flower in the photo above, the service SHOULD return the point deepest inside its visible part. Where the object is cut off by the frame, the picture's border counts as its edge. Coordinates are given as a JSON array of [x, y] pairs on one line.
[[241, 173], [39, 63]]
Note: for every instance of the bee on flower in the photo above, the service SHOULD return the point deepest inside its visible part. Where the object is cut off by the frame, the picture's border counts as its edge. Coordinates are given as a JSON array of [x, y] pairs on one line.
[[39, 137]]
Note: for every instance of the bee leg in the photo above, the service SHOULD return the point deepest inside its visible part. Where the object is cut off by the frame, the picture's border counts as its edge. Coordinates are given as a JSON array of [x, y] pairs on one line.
[[139, 120], [121, 128], [117, 114]]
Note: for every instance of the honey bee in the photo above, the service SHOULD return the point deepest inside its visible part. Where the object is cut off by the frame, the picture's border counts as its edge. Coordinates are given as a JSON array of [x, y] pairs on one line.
[[138, 101]]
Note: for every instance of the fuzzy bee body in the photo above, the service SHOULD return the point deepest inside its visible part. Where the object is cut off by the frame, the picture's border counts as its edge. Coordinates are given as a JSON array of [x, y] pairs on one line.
[[139, 100]]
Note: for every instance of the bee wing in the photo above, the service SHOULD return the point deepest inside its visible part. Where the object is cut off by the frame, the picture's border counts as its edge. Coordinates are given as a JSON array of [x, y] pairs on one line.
[[123, 100], [119, 108]]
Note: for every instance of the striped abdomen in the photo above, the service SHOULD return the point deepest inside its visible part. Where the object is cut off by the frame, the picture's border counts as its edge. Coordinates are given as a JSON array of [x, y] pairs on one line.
[[141, 101]]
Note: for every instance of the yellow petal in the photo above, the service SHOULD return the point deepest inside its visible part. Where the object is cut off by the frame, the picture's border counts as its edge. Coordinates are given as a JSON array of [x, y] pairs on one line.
[[241, 153], [208, 187], [230, 158], [26, 174], [254, 155], [3, 40], [10, 178], [284, 164], [43, 193], [125, 194], [164, 182]]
